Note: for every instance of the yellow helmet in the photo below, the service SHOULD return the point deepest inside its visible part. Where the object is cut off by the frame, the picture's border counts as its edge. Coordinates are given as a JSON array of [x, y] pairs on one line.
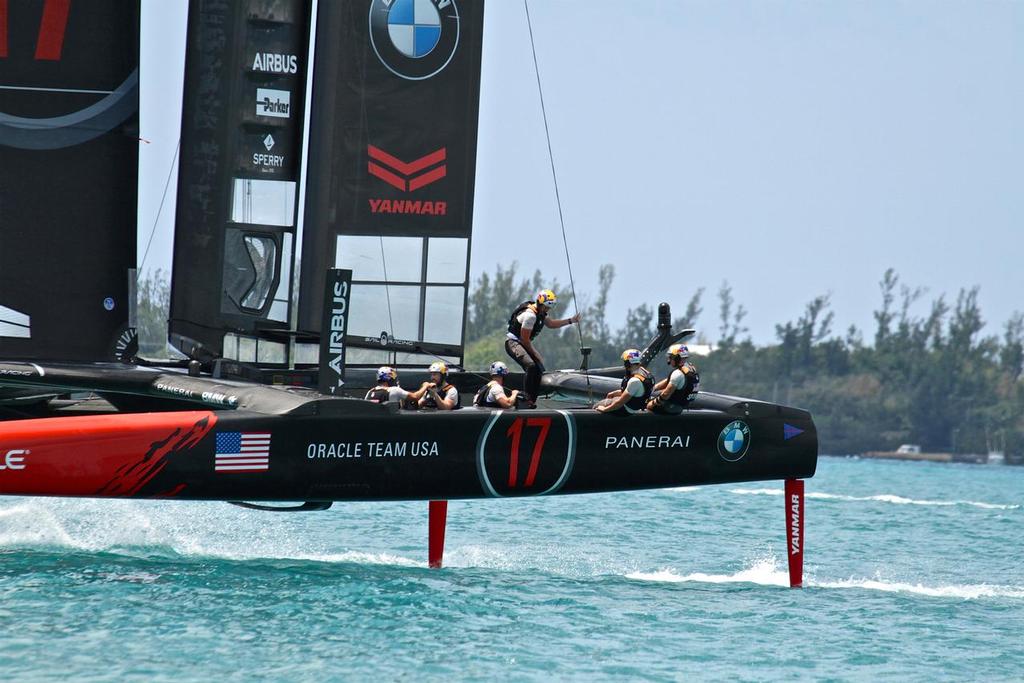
[[631, 356], [546, 297], [438, 367]]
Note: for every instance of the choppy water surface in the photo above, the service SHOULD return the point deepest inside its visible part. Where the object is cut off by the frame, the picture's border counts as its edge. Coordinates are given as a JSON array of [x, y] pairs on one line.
[[914, 570]]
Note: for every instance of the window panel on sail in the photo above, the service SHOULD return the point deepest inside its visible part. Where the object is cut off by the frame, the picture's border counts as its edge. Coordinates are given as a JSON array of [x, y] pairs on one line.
[[279, 308], [384, 308], [250, 266], [422, 359], [263, 202], [262, 253], [378, 259], [357, 356], [442, 320], [446, 260]]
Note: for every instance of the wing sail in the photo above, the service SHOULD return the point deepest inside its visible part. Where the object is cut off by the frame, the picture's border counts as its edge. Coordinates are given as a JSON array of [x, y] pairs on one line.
[[69, 136], [392, 165], [242, 116]]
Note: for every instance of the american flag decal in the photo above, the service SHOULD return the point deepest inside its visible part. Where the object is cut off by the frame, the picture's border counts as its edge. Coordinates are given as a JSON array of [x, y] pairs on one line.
[[242, 452]]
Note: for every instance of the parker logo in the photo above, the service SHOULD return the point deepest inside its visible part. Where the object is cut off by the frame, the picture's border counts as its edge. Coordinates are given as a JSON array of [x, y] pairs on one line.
[[407, 176], [273, 103], [414, 39], [14, 459]]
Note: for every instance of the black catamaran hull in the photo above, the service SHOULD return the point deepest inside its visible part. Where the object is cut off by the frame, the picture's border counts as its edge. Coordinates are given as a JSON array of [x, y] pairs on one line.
[[470, 453]]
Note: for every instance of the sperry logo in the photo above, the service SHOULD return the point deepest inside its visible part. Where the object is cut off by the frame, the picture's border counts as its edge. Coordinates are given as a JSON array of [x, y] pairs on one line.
[[407, 176], [14, 459]]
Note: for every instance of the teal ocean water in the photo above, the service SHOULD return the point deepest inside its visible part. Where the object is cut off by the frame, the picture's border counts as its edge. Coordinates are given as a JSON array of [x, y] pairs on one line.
[[914, 571]]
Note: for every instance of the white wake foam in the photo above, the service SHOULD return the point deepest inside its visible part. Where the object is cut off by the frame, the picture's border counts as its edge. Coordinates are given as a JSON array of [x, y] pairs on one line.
[[880, 498], [766, 572], [139, 529]]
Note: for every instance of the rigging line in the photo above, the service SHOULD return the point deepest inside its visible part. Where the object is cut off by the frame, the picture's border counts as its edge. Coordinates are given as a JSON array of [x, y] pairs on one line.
[[159, 210], [558, 196], [387, 284]]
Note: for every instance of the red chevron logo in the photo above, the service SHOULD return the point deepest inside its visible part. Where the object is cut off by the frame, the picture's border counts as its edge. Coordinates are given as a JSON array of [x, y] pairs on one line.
[[411, 175]]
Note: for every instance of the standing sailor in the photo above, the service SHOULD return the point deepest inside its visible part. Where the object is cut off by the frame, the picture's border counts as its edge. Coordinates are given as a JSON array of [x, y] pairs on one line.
[[387, 389], [636, 387], [494, 394], [680, 387], [440, 394], [526, 322]]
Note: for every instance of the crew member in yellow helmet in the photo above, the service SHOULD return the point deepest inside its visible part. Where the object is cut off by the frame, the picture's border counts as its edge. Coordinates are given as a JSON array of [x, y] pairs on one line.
[[637, 384], [674, 393], [440, 394], [525, 323]]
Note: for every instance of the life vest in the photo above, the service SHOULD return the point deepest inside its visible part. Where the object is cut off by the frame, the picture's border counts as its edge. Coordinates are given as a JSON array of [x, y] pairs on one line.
[[636, 403], [483, 394], [515, 327], [429, 402], [378, 395], [689, 390]]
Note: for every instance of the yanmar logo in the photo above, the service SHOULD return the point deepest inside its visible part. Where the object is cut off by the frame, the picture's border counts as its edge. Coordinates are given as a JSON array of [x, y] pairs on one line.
[[14, 460], [794, 524], [408, 176]]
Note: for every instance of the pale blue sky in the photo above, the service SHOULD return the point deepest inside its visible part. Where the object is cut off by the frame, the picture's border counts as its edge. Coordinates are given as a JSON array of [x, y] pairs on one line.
[[793, 148]]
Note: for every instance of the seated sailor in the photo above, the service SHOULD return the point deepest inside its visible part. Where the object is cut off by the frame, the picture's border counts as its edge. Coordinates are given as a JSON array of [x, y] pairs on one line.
[[494, 394], [387, 389], [440, 395], [526, 322], [675, 393], [636, 387]]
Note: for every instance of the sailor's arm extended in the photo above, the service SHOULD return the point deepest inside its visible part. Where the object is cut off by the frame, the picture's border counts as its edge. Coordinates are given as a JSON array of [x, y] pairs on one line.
[[561, 322]]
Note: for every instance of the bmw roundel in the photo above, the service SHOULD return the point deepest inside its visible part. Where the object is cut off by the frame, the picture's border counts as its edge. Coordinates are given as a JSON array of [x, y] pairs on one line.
[[414, 39], [734, 440]]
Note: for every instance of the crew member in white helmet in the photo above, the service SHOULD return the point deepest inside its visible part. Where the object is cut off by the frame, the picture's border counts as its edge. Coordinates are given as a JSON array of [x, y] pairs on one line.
[[388, 391], [494, 394]]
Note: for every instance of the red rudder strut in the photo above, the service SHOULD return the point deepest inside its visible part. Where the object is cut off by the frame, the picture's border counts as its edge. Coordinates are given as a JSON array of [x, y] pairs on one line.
[[438, 517], [795, 531]]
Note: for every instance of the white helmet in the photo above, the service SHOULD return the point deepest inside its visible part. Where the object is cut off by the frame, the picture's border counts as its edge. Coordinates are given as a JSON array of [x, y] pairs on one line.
[[438, 366], [498, 369]]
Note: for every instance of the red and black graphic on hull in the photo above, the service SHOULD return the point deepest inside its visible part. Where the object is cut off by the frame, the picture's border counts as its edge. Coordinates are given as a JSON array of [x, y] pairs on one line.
[[109, 456]]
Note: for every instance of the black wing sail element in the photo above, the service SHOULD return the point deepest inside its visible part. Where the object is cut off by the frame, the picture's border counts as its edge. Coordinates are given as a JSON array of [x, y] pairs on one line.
[[69, 100], [392, 164], [245, 76]]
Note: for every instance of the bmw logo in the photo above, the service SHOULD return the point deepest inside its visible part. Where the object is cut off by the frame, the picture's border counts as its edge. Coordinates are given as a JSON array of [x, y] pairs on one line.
[[414, 39], [734, 441]]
